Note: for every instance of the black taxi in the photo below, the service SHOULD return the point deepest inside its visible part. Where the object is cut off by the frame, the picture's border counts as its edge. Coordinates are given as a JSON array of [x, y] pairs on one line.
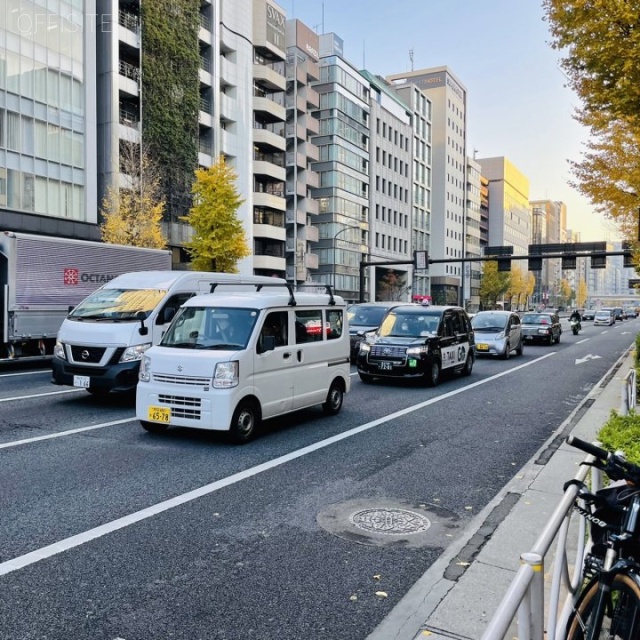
[[420, 342]]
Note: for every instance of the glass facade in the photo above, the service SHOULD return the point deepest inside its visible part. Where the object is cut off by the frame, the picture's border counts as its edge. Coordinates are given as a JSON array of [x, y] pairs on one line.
[[42, 107]]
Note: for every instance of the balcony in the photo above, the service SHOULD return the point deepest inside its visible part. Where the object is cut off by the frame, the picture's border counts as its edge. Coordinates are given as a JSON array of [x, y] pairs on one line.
[[298, 131], [269, 231], [311, 260], [267, 106], [311, 233], [313, 99], [313, 179], [312, 152], [264, 137], [265, 168], [313, 125], [300, 188], [301, 273], [297, 101], [228, 111], [129, 76], [268, 78], [273, 263], [129, 21], [299, 158], [300, 217], [269, 201]]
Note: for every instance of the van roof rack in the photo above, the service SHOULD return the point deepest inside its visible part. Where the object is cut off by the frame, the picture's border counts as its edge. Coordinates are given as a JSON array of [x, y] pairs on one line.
[[288, 285]]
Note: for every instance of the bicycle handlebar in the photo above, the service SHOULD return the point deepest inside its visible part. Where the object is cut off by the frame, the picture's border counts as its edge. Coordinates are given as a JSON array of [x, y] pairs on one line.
[[613, 464], [587, 447]]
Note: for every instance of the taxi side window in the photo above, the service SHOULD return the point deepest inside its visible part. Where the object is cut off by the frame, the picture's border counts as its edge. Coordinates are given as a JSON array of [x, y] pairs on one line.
[[458, 325], [448, 327]]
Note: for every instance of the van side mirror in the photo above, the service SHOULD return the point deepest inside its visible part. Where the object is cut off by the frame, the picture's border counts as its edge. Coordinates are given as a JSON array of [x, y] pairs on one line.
[[142, 316]]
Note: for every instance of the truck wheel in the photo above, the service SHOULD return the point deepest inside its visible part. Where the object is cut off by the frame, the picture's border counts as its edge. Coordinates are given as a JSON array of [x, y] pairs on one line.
[[334, 400], [245, 422], [154, 427]]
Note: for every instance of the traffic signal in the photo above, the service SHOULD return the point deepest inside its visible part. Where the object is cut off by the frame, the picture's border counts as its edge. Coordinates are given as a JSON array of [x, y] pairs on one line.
[[535, 264], [504, 264], [568, 262], [598, 262], [628, 260]]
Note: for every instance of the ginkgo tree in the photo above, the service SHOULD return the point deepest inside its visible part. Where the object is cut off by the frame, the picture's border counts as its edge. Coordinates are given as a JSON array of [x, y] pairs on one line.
[[219, 240], [599, 41], [132, 213], [493, 284]]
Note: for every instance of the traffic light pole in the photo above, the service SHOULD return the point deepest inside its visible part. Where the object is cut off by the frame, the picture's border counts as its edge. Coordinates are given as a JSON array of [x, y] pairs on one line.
[[599, 254]]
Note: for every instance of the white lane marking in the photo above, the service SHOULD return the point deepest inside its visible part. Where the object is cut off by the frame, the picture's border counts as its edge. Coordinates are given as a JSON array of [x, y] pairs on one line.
[[40, 395], [584, 340], [23, 373], [15, 443], [586, 358], [92, 534]]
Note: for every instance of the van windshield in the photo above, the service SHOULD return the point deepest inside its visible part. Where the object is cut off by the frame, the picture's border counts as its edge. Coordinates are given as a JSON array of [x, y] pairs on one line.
[[117, 304], [210, 328]]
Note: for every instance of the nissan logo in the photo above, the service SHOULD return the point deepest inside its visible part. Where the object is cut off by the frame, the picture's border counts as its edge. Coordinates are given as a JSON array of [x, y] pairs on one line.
[[84, 355]]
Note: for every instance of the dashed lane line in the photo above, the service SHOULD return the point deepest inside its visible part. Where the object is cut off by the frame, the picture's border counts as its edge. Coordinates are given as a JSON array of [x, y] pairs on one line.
[[61, 546]]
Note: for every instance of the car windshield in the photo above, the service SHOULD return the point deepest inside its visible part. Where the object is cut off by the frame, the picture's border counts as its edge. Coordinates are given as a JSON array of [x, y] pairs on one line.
[[370, 316], [534, 318], [117, 304], [603, 314], [415, 325], [488, 322], [210, 328]]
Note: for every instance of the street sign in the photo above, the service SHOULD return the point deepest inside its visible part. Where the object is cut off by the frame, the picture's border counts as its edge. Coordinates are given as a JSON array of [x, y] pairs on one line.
[[568, 262], [506, 250], [420, 259]]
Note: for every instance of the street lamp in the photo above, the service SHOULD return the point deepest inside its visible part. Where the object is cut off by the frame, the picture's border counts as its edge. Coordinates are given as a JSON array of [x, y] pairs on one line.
[[333, 265]]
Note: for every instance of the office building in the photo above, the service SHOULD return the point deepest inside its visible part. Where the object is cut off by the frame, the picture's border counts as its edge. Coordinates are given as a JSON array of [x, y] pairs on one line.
[[390, 223], [343, 168], [48, 118], [447, 96]]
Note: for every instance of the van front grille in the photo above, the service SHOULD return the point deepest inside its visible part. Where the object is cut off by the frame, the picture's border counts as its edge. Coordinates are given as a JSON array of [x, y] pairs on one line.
[[186, 380]]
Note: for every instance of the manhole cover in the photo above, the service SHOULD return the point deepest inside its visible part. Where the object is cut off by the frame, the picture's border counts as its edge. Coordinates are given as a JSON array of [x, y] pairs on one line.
[[390, 521]]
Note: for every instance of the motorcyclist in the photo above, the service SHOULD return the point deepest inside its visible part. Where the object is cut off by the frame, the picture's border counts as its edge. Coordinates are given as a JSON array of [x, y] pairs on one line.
[[577, 317]]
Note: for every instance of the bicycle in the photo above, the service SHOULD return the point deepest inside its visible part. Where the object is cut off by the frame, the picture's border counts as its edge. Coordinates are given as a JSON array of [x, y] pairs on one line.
[[608, 607]]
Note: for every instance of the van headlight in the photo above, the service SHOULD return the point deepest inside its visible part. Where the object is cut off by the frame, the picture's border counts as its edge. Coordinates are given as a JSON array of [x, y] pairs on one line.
[[58, 351], [131, 354], [226, 375], [145, 369]]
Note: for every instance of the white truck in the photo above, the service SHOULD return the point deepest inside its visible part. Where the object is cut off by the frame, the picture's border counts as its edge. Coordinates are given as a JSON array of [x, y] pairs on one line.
[[42, 278]]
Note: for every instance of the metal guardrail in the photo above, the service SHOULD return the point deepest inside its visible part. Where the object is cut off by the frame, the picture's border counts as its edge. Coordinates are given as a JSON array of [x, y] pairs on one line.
[[524, 599]]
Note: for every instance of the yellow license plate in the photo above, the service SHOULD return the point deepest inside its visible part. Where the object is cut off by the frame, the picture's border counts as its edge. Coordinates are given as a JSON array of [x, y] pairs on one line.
[[159, 414], [482, 347]]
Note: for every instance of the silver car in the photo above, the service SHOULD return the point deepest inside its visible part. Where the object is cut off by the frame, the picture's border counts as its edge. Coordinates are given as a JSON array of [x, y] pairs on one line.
[[498, 333]]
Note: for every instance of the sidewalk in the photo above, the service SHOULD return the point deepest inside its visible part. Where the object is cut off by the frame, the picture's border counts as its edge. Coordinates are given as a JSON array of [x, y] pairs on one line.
[[457, 597]]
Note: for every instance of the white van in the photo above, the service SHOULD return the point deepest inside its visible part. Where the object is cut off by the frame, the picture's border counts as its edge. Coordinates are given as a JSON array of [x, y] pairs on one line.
[[100, 343], [228, 361]]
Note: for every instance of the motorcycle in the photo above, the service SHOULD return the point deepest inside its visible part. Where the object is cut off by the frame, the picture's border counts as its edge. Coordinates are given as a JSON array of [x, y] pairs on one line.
[[575, 326]]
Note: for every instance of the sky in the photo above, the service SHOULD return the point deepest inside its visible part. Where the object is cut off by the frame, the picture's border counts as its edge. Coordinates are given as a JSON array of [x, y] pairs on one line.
[[518, 104]]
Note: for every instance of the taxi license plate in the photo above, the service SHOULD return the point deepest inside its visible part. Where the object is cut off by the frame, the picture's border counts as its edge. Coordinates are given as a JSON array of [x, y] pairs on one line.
[[159, 414], [385, 366], [482, 347], [82, 381]]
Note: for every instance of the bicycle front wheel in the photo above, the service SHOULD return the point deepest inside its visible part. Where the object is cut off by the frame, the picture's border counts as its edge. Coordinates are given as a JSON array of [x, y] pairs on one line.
[[621, 615]]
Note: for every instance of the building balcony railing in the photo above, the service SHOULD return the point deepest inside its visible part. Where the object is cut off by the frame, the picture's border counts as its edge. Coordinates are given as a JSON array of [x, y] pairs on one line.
[[129, 21], [205, 105], [129, 70], [205, 22], [129, 117], [205, 64]]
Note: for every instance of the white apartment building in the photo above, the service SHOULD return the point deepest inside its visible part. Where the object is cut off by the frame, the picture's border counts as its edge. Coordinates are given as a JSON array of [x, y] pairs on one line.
[[473, 270], [448, 180], [48, 117], [421, 111], [390, 219]]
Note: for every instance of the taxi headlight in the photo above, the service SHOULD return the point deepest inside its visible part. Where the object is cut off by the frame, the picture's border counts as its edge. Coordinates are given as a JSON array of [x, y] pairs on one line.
[[226, 375], [131, 354], [365, 347], [543, 330], [416, 351]]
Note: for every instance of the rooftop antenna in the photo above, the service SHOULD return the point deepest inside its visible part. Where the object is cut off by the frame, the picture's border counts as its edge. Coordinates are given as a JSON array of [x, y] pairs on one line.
[[475, 153], [411, 58]]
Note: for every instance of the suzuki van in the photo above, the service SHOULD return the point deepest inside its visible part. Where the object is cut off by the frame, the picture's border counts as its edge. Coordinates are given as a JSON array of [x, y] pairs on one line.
[[101, 341], [228, 361]]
